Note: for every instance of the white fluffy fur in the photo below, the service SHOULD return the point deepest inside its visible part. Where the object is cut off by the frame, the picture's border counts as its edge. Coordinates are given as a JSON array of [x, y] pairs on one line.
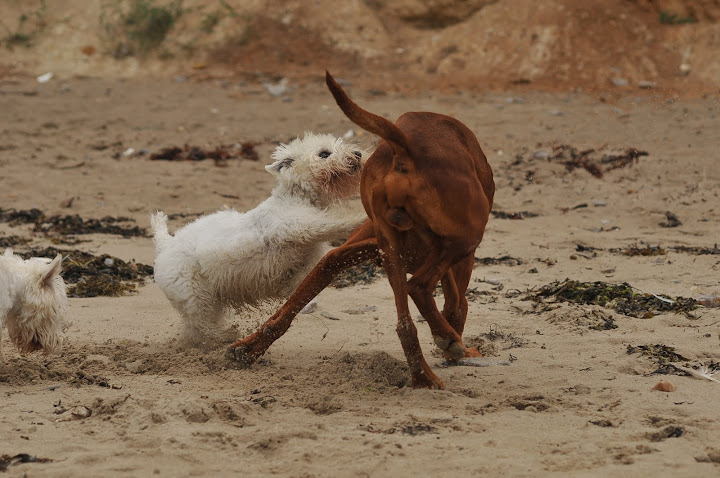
[[230, 259], [33, 302]]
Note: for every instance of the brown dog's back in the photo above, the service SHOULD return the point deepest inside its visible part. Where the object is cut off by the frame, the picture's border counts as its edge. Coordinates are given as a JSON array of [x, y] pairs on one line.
[[452, 196]]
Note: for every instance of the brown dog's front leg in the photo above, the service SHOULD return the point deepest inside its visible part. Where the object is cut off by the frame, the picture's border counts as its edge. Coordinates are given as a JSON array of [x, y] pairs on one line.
[[351, 253]]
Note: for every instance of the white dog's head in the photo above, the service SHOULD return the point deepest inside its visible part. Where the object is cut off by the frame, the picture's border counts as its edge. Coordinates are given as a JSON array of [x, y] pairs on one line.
[[318, 167], [33, 302]]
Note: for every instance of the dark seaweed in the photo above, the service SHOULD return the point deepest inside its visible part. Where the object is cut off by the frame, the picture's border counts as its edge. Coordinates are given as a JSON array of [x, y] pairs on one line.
[[619, 297]]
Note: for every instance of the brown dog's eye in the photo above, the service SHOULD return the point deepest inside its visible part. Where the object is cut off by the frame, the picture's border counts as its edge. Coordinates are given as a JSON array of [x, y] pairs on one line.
[[324, 154]]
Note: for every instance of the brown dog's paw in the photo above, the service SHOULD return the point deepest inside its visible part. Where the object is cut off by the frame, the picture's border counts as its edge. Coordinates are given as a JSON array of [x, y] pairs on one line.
[[427, 379], [452, 350], [468, 352], [240, 355]]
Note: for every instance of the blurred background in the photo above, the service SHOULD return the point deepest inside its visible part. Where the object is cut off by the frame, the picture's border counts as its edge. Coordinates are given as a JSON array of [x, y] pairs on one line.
[[403, 45]]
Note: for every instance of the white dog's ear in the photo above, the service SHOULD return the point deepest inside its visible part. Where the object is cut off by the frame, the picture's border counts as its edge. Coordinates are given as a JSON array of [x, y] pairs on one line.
[[52, 271], [8, 252], [278, 165]]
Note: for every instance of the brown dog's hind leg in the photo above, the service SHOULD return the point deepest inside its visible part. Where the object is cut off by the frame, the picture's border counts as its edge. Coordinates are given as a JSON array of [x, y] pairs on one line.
[[437, 266], [360, 247], [422, 374], [454, 285]]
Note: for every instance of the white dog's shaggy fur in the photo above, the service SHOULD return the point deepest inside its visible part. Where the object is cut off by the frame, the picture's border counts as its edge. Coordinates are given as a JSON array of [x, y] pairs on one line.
[[33, 302], [230, 259]]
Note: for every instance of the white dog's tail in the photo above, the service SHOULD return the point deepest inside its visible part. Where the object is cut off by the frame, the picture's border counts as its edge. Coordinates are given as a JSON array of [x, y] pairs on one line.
[[158, 223]]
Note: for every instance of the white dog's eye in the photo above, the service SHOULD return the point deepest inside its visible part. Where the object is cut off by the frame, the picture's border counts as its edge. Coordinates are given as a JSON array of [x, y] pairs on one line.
[[324, 153], [285, 163]]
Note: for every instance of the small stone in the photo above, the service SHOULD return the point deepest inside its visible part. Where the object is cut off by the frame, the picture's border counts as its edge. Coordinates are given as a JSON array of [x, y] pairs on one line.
[[45, 78], [646, 85], [328, 315], [81, 412], [619, 81], [664, 386]]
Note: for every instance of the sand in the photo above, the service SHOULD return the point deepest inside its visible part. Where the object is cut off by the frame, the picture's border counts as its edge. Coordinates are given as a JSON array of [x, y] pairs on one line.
[[332, 396]]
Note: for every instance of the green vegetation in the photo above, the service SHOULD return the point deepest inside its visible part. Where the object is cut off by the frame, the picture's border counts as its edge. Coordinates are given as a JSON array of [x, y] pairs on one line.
[[669, 18], [28, 26], [210, 20], [137, 27]]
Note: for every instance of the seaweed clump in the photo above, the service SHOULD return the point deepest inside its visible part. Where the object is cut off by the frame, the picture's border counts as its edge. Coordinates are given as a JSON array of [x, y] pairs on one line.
[[76, 225], [92, 276], [71, 224], [365, 273], [697, 250], [12, 241], [663, 354], [572, 159], [503, 260], [513, 215], [640, 249], [619, 297]]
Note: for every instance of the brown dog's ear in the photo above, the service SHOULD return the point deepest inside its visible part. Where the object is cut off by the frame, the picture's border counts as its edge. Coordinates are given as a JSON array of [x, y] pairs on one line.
[[366, 120]]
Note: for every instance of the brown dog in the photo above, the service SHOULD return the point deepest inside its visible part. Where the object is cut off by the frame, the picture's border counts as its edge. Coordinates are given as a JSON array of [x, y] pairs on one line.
[[428, 190]]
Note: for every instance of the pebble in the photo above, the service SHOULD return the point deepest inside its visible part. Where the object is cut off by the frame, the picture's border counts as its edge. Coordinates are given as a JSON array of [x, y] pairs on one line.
[[619, 81], [45, 78], [81, 412], [328, 315], [664, 386], [277, 89]]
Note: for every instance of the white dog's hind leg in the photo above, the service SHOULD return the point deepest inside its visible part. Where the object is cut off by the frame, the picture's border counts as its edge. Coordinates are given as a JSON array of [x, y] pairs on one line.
[[204, 318]]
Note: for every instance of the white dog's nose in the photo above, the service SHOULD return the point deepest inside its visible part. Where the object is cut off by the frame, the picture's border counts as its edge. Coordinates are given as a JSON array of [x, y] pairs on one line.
[[356, 162]]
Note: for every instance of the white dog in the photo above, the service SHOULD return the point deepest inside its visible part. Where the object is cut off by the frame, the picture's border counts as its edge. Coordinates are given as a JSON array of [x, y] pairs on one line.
[[33, 302], [232, 260]]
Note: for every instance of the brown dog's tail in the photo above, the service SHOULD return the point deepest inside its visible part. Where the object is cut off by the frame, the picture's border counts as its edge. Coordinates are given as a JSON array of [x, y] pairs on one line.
[[366, 120]]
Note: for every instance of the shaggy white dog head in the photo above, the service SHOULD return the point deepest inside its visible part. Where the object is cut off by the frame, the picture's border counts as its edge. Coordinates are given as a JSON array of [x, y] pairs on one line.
[[33, 302], [319, 168]]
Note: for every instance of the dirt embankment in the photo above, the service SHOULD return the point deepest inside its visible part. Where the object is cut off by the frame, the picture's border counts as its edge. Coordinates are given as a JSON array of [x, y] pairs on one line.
[[617, 45]]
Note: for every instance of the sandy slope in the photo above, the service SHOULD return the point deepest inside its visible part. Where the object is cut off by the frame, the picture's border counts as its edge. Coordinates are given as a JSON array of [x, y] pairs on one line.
[[331, 398]]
